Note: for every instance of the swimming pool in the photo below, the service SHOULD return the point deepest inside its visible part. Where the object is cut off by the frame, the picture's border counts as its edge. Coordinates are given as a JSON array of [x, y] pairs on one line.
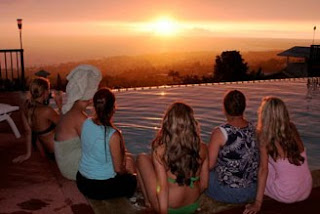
[[140, 110]]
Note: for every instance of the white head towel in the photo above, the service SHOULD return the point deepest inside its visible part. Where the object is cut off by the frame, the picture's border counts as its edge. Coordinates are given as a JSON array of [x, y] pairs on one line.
[[83, 84]]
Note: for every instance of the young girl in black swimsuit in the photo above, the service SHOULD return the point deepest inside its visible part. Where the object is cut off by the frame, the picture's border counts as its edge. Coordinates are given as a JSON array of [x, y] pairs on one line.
[[39, 119]]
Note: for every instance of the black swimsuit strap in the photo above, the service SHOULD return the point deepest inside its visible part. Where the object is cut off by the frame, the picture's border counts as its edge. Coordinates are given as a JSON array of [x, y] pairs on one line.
[[49, 129]]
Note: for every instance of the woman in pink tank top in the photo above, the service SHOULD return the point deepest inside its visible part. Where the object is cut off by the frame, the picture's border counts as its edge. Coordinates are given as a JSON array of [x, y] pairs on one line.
[[284, 174]]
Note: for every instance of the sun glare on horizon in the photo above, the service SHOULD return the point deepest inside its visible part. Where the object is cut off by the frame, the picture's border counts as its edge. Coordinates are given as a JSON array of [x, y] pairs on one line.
[[165, 27], [162, 26]]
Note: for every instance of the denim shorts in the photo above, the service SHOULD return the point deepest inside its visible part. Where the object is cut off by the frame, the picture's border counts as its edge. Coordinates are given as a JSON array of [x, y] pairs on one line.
[[226, 194]]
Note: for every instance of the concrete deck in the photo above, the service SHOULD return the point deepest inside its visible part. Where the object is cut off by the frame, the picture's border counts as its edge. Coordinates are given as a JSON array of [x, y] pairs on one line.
[[36, 186]]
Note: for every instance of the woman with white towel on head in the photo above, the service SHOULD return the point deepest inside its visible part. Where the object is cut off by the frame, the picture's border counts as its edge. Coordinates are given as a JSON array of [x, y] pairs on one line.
[[83, 82]]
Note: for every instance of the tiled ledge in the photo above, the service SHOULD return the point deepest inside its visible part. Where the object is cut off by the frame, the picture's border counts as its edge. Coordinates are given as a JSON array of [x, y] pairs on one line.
[[207, 205]]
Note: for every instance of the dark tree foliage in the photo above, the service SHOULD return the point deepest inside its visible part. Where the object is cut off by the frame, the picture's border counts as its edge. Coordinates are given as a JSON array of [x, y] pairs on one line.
[[191, 79], [60, 86], [230, 66], [175, 75]]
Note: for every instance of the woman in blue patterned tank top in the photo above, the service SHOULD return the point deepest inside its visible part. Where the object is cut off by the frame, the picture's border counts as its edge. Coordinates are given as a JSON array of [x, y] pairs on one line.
[[233, 154]]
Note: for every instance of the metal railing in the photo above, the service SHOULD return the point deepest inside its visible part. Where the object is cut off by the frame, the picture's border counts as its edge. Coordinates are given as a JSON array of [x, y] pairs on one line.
[[314, 61], [12, 75]]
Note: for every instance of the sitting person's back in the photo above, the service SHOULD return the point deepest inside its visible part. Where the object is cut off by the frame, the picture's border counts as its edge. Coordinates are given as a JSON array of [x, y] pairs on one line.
[[288, 182], [67, 140], [284, 174], [39, 119], [233, 155], [177, 173], [105, 171], [83, 82]]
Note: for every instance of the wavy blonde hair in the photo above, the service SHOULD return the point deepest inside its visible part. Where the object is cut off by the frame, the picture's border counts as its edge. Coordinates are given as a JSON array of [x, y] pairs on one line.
[[37, 88], [274, 126], [181, 139]]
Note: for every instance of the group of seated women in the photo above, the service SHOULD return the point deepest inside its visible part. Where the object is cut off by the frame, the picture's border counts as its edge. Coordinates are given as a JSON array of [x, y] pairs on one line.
[[241, 163]]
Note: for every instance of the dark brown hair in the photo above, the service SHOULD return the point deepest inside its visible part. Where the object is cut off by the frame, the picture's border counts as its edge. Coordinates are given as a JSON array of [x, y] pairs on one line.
[[234, 103], [103, 102]]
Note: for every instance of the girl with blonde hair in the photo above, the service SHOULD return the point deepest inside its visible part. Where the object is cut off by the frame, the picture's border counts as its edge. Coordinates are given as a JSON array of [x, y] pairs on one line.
[[175, 175], [284, 174], [39, 119]]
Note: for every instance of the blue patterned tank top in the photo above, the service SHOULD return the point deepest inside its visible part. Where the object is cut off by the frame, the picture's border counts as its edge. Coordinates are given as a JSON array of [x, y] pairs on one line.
[[238, 160]]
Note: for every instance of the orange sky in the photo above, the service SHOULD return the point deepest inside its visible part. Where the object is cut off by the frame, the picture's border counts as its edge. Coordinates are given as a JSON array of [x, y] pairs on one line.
[[44, 19]]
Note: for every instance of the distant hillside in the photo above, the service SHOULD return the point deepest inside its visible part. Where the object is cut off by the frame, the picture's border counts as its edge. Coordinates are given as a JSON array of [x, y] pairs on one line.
[[153, 69]]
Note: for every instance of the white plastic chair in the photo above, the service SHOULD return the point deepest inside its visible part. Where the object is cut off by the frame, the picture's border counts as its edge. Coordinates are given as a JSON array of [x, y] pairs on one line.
[[5, 111]]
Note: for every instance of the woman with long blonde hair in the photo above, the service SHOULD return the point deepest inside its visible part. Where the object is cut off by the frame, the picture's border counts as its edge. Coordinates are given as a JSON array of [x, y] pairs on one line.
[[175, 175], [284, 174]]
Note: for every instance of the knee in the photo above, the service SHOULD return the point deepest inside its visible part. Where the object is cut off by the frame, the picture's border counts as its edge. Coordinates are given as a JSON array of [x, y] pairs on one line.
[[142, 159]]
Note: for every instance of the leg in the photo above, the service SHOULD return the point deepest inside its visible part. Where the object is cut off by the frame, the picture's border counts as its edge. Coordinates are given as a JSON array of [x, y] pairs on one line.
[[130, 165], [40, 148], [148, 180]]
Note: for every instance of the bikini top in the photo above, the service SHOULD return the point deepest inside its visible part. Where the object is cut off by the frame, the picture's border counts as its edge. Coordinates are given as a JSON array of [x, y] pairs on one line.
[[49, 129], [192, 180]]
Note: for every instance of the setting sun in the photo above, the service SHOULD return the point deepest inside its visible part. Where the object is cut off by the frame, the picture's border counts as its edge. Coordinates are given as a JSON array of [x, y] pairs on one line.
[[165, 27]]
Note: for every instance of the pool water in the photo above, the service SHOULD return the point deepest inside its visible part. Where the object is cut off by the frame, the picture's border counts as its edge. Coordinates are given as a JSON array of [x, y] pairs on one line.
[[140, 110]]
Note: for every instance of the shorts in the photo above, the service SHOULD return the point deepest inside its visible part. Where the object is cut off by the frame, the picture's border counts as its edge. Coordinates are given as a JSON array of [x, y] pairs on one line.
[[119, 186], [226, 194]]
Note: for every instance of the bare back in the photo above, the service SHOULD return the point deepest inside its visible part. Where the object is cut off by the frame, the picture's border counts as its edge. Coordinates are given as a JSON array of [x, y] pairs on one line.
[[184, 195], [70, 125], [40, 118]]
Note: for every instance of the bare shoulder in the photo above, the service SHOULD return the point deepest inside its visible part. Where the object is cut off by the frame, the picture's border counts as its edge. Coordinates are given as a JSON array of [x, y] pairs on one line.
[[75, 117], [217, 138], [116, 136], [47, 110], [216, 132]]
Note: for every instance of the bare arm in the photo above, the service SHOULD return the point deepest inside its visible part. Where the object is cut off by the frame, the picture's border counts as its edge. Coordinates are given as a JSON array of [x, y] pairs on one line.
[[216, 141], [204, 173], [162, 183], [57, 96], [52, 115], [79, 124], [28, 133], [262, 179], [117, 154]]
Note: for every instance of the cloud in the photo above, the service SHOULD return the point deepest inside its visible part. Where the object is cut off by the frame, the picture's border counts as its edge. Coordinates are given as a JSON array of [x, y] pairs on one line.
[[198, 31]]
